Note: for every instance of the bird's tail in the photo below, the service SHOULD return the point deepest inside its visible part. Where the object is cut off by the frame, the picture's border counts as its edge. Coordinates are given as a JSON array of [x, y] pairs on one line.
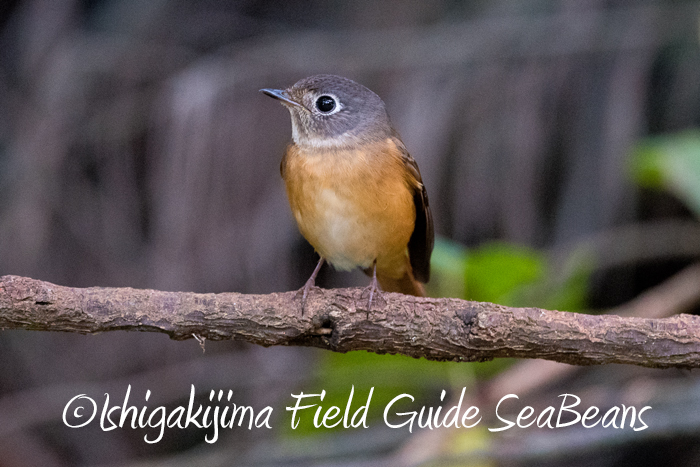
[[406, 285]]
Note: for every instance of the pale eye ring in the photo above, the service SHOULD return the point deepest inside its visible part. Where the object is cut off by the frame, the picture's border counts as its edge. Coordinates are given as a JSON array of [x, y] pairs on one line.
[[327, 104]]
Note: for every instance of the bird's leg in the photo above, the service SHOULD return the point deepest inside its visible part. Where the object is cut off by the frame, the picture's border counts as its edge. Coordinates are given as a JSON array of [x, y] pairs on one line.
[[373, 287], [310, 283]]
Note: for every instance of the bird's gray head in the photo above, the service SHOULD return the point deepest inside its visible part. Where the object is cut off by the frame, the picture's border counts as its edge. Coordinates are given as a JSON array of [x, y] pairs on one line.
[[333, 112]]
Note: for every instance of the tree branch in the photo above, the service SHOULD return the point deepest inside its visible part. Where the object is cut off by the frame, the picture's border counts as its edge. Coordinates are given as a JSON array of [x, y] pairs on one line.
[[437, 329]]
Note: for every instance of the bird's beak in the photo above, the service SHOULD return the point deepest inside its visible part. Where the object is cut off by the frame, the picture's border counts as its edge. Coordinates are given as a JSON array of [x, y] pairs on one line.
[[281, 95]]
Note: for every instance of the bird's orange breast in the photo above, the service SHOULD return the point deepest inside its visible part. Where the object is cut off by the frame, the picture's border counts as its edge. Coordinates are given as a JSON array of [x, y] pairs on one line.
[[353, 205]]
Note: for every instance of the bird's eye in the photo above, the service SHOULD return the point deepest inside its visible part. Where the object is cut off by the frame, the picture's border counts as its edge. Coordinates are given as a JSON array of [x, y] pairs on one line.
[[325, 104]]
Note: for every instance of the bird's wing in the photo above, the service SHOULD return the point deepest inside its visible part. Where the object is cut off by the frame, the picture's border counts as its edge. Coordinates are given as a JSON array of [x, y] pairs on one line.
[[420, 246]]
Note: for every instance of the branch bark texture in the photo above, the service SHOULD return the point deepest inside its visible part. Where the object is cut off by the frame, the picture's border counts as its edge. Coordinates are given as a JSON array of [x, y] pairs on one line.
[[436, 329]]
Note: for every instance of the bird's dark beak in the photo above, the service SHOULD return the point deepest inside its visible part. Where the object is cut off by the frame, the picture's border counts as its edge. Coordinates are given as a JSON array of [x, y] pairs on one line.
[[281, 95]]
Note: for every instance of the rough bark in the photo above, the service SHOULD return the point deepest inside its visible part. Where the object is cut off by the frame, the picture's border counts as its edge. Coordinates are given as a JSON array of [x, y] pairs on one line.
[[436, 329]]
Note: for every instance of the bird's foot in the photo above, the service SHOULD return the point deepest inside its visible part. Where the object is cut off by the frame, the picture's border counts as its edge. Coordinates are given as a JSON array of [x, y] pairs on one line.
[[303, 293], [374, 296], [374, 293], [310, 285]]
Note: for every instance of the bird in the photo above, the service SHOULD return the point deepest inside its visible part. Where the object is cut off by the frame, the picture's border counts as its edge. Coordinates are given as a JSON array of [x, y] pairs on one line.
[[355, 192]]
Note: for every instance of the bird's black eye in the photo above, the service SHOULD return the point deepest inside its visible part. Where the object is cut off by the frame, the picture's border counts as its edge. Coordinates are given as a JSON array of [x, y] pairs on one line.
[[325, 104]]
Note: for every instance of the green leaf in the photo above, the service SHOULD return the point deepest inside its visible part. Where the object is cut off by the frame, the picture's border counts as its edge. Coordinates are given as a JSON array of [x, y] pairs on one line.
[[496, 272], [671, 162], [447, 269], [508, 274]]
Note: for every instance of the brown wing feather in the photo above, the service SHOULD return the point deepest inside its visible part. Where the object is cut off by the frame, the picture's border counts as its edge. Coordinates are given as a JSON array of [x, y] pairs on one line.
[[420, 246]]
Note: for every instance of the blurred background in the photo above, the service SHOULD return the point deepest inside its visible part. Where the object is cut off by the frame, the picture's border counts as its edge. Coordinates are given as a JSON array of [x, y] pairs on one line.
[[558, 141]]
